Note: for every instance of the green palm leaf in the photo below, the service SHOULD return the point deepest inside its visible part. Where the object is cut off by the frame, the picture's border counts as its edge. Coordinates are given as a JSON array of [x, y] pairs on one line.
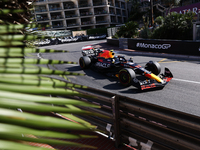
[[20, 37], [44, 99], [39, 90], [11, 43], [16, 130], [36, 81], [14, 27], [24, 84], [6, 11], [46, 141], [32, 61], [36, 70], [4, 144], [36, 121], [27, 50], [31, 106]]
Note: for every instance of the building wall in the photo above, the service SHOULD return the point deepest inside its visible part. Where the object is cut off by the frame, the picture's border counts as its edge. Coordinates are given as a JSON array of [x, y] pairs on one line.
[[80, 14]]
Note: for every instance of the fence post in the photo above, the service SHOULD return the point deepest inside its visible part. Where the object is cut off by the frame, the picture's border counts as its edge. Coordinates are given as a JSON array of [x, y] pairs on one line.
[[116, 121]]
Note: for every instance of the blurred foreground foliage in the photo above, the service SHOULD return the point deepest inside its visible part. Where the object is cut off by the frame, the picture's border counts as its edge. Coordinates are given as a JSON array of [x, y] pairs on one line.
[[27, 91]]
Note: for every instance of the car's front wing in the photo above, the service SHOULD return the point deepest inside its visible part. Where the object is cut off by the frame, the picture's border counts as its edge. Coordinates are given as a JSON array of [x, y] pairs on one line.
[[146, 83]]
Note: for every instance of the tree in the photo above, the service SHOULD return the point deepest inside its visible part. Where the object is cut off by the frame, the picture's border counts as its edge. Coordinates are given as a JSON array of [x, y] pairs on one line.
[[136, 13], [129, 30], [25, 88], [170, 4], [175, 26], [159, 20]]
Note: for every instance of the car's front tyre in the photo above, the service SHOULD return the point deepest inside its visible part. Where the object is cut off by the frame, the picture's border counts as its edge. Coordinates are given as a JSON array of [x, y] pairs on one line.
[[154, 67]]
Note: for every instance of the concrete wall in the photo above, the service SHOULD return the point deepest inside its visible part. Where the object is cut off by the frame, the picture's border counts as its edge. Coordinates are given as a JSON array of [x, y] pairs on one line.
[[114, 42]]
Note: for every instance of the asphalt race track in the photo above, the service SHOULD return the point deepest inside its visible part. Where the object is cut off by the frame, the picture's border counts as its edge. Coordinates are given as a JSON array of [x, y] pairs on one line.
[[182, 93]]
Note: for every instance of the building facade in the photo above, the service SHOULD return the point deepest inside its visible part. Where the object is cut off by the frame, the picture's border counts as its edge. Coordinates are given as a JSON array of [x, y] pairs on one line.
[[80, 14]]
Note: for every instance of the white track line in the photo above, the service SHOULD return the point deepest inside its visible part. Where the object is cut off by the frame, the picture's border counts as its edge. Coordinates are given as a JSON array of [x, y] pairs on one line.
[[186, 81]]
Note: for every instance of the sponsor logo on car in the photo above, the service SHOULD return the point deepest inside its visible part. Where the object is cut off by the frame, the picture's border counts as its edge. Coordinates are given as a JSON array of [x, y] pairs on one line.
[[153, 46], [103, 65]]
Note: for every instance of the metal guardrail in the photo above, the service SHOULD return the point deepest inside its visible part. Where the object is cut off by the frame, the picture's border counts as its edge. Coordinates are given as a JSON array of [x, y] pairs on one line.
[[142, 125]]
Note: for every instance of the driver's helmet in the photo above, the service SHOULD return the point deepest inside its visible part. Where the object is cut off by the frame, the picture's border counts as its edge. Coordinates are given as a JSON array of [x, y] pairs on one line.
[[112, 53]]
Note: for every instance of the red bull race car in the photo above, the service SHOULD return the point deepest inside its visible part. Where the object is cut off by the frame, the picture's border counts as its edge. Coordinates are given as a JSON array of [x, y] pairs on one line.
[[127, 71]]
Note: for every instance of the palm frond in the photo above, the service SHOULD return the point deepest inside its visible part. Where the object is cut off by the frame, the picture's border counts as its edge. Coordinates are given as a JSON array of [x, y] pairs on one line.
[[25, 86]]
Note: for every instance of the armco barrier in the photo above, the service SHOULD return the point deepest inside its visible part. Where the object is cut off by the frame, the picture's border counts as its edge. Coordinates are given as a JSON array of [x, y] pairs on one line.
[[142, 125], [162, 46]]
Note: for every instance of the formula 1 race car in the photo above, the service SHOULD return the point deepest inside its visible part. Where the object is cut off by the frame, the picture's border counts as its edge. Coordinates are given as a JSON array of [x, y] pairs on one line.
[[128, 72]]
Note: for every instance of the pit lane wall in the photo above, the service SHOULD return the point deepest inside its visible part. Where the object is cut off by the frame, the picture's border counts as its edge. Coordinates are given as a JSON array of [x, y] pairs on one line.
[[160, 46]]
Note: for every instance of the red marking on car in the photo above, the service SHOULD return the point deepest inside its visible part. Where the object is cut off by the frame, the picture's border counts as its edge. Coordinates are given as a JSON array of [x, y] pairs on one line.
[[148, 75], [106, 54], [89, 47], [100, 60], [167, 79], [143, 87], [138, 66]]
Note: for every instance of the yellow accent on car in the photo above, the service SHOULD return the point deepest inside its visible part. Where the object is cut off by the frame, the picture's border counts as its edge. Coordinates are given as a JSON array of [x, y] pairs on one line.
[[153, 76]]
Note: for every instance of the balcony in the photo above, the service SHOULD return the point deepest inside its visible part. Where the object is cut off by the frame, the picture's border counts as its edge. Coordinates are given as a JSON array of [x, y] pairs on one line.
[[99, 4], [84, 5], [86, 14], [42, 18], [54, 9], [123, 6], [117, 5], [72, 24], [56, 17], [123, 14], [86, 22], [118, 12], [40, 8], [40, 1], [53, 0], [100, 12], [112, 13], [101, 21], [113, 21], [70, 15], [57, 25], [69, 6], [110, 3]]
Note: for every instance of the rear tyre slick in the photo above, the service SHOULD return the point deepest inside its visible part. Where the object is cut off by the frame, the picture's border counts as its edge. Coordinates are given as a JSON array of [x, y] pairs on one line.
[[84, 62], [126, 76], [154, 67]]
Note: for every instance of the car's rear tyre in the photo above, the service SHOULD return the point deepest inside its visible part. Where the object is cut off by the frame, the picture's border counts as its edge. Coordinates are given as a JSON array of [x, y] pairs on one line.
[[126, 76], [154, 67], [84, 62]]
